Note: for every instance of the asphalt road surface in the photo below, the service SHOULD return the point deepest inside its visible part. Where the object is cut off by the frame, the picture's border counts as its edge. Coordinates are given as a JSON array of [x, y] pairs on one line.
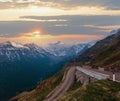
[[64, 86]]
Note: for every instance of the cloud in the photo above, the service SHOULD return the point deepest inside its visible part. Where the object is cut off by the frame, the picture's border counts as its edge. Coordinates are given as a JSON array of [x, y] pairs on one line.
[[109, 27], [17, 8], [63, 4], [71, 24], [6, 4], [113, 4], [43, 19]]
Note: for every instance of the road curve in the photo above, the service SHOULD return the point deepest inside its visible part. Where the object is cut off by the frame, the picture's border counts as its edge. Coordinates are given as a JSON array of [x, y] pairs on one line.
[[64, 86]]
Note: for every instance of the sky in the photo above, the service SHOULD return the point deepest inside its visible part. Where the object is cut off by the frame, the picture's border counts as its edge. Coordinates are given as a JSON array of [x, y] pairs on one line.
[[46, 21]]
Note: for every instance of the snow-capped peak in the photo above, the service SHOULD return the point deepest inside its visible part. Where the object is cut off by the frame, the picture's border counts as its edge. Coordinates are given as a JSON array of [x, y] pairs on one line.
[[14, 44]]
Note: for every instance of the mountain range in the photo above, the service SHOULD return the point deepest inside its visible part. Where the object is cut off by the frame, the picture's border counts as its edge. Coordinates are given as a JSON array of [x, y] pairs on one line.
[[22, 66]]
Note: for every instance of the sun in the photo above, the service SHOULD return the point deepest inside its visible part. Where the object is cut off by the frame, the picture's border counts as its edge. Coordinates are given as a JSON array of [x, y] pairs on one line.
[[37, 34]]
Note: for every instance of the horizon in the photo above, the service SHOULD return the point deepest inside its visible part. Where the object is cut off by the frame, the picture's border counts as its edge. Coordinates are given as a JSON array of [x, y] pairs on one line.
[[56, 41], [48, 44]]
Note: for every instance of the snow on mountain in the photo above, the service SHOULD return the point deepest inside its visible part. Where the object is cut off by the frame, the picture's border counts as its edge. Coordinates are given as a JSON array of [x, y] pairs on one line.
[[92, 43], [57, 49], [15, 51], [78, 48], [60, 49], [17, 45], [13, 44]]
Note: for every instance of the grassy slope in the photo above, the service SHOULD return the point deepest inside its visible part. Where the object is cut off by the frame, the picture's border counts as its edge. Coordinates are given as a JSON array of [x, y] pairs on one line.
[[104, 90], [110, 56], [42, 90]]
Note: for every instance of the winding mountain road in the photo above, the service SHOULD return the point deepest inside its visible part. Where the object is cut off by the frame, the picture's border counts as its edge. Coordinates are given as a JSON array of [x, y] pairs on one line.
[[69, 78], [64, 86]]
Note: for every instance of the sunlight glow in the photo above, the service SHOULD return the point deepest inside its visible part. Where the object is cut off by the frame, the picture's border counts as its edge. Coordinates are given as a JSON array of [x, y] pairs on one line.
[[46, 39], [36, 34]]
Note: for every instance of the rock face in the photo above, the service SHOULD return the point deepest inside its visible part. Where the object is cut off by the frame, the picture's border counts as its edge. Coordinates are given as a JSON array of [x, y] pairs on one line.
[[104, 53]]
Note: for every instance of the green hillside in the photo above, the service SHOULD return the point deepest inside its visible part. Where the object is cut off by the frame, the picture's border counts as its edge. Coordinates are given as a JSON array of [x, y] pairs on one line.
[[110, 56], [103, 90]]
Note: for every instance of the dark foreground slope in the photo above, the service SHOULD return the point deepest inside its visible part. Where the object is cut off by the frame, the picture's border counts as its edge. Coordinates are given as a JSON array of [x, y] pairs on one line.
[[42, 90], [105, 53]]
